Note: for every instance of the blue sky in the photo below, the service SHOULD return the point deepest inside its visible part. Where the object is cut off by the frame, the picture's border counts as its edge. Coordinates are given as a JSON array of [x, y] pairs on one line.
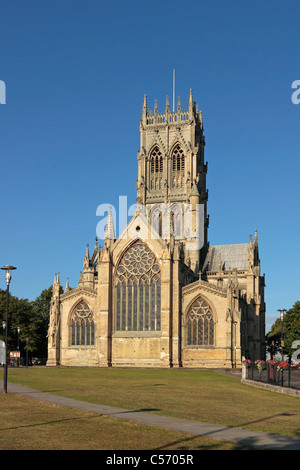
[[76, 72]]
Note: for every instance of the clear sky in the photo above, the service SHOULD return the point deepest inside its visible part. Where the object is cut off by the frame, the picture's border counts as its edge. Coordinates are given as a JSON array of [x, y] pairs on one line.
[[76, 72]]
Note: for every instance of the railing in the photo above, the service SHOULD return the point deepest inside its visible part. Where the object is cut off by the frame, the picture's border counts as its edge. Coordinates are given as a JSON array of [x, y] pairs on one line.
[[171, 117], [278, 373], [23, 362]]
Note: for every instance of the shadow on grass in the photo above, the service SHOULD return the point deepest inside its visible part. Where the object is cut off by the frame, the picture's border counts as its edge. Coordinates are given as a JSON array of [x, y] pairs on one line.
[[247, 443], [49, 422], [139, 411], [180, 444]]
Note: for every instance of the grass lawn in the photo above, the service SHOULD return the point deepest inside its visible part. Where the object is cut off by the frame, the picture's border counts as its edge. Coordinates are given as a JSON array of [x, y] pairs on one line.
[[201, 395], [27, 424]]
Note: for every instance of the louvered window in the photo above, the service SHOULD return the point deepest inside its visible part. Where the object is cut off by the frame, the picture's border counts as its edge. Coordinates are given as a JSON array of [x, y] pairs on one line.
[[156, 168], [178, 166]]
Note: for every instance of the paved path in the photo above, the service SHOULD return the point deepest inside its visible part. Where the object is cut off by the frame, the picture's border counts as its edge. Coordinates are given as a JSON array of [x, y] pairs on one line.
[[239, 436]]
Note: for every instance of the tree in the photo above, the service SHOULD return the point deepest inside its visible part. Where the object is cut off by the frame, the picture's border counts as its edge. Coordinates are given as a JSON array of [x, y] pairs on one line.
[[19, 315], [41, 307], [32, 318], [291, 331]]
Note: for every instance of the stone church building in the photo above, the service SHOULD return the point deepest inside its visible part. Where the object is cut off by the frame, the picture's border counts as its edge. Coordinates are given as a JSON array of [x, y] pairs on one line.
[[160, 295]]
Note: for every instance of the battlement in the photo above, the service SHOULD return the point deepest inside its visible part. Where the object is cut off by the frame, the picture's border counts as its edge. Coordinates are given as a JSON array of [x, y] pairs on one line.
[[150, 118]]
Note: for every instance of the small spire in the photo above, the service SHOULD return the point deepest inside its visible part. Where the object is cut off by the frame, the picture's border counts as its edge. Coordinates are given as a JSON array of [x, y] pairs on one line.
[[191, 100], [86, 261], [87, 254], [220, 266], [255, 238], [67, 288], [167, 105], [145, 110], [110, 229], [178, 105], [155, 107], [145, 102]]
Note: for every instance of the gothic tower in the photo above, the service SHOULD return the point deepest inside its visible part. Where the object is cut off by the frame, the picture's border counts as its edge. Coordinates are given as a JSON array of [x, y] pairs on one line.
[[159, 295], [171, 182]]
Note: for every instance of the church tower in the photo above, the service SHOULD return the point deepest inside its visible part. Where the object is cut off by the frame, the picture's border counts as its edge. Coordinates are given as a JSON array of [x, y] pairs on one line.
[[159, 295], [171, 180]]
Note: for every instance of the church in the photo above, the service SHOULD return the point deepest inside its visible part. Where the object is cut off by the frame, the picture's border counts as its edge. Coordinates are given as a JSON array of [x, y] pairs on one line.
[[160, 295]]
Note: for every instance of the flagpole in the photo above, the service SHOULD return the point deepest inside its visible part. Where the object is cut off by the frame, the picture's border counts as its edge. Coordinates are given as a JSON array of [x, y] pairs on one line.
[[173, 90]]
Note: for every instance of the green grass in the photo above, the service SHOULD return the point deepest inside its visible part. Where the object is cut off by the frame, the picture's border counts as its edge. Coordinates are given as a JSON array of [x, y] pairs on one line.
[[200, 395], [27, 424]]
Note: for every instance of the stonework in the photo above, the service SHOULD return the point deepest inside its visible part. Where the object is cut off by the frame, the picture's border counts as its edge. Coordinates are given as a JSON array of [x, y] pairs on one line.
[[160, 295]]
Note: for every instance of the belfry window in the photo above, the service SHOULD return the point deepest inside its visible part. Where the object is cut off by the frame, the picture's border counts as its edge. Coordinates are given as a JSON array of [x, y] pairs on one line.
[[82, 326], [156, 168], [178, 164], [138, 291], [200, 324]]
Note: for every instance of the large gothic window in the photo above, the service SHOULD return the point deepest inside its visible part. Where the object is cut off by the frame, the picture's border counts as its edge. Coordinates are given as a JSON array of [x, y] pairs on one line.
[[82, 326], [178, 164], [200, 324], [156, 168], [137, 291]]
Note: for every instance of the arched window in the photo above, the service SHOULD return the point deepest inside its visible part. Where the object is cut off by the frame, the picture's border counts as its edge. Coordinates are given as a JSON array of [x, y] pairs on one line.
[[200, 324], [176, 220], [156, 218], [178, 164], [156, 168], [137, 291], [82, 326]]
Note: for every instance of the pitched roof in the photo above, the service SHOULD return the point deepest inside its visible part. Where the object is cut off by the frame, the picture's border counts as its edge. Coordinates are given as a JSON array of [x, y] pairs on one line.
[[231, 257]]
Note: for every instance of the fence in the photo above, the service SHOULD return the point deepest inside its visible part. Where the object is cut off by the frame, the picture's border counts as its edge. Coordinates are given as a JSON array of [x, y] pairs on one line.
[[25, 362], [281, 374]]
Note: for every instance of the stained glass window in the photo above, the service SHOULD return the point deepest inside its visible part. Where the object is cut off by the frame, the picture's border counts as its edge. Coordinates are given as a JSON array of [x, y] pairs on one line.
[[137, 291], [200, 324], [82, 326]]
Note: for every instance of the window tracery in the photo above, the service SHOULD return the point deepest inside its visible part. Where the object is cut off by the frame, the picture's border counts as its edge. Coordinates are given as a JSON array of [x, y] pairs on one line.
[[178, 167], [156, 168], [138, 291], [200, 324], [82, 326]]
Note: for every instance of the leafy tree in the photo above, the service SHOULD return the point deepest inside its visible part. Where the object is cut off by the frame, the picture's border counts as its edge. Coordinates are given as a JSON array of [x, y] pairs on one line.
[[291, 331], [19, 315], [31, 317], [41, 307]]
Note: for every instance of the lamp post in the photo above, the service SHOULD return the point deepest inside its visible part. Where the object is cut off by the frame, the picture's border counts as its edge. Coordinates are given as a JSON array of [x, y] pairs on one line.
[[18, 330], [27, 340], [282, 312], [18, 349], [7, 270]]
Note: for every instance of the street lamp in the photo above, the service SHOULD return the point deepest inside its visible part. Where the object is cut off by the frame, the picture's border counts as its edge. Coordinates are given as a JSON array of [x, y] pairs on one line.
[[18, 349], [27, 340], [282, 312], [18, 330], [7, 270]]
